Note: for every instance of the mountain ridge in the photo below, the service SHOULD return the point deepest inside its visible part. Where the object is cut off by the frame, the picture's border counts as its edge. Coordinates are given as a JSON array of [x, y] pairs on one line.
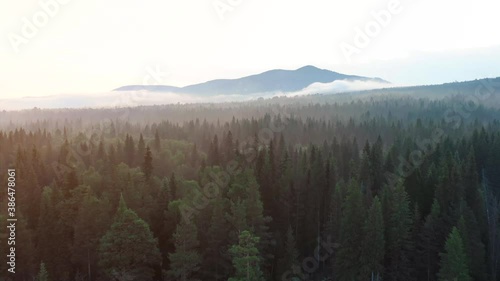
[[275, 80]]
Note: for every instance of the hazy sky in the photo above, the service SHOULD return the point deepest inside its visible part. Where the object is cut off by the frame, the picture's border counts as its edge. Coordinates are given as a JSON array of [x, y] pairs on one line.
[[52, 47]]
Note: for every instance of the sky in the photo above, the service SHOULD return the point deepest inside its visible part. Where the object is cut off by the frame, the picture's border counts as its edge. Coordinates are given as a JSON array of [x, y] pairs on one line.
[[67, 47]]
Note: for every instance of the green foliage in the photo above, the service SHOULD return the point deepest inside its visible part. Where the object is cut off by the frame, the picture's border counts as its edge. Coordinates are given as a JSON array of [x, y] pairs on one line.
[[348, 263], [398, 230], [373, 249], [246, 258], [286, 187], [129, 249], [185, 261], [43, 275], [454, 260], [147, 166]]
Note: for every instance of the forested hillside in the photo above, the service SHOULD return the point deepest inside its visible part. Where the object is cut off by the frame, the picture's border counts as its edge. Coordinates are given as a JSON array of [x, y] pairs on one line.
[[315, 188]]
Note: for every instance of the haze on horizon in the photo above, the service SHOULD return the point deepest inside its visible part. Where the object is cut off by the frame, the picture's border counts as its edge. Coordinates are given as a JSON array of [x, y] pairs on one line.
[[93, 46]]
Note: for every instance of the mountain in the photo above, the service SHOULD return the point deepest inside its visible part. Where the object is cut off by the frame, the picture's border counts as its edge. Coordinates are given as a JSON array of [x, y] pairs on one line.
[[477, 89], [277, 80]]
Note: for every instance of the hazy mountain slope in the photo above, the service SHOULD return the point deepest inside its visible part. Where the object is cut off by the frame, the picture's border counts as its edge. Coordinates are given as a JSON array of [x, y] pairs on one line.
[[479, 87], [277, 80]]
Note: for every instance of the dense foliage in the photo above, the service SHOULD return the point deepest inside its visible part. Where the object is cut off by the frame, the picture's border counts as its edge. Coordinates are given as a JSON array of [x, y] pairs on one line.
[[287, 189]]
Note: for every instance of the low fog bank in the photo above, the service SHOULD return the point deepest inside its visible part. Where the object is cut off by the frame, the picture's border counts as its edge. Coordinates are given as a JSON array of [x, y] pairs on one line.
[[139, 98]]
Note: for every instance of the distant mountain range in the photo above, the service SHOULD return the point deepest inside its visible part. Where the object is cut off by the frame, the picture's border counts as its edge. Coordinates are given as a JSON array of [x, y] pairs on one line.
[[484, 91], [475, 89], [272, 81]]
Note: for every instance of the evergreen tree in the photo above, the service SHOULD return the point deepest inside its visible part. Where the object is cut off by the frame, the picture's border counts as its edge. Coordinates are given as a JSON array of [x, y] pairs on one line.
[[217, 236], [431, 241], [348, 261], [47, 239], [25, 264], [290, 260], [172, 185], [400, 245], [454, 260], [129, 249], [147, 166], [246, 258], [213, 154], [129, 150], [141, 147], [90, 225], [373, 249], [474, 247], [43, 275], [185, 261], [376, 166], [157, 142]]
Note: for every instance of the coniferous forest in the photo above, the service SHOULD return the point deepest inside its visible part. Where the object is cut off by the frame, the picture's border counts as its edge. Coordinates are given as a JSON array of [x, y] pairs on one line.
[[310, 188]]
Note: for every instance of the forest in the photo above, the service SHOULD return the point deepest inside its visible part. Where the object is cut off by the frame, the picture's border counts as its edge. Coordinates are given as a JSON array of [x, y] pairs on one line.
[[311, 188]]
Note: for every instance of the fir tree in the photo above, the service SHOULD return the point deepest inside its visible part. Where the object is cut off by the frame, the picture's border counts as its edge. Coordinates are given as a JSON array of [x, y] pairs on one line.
[[185, 261], [147, 166], [246, 258], [129, 249], [373, 249], [454, 260], [43, 275], [399, 244], [348, 262]]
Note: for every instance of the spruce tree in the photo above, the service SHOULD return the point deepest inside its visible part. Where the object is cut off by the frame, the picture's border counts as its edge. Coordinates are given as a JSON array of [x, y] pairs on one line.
[[246, 258], [157, 142], [431, 243], [217, 236], [147, 166], [185, 261], [454, 260], [348, 262], [474, 247], [128, 249], [373, 249], [172, 185], [399, 244], [290, 260], [141, 147], [43, 275]]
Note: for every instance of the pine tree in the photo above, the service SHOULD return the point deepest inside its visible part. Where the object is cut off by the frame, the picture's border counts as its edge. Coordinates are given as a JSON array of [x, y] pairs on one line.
[[147, 166], [431, 240], [348, 262], [172, 185], [290, 260], [101, 152], [185, 261], [43, 275], [247, 211], [157, 142], [71, 182], [129, 249], [474, 247], [213, 155], [25, 264], [90, 225], [217, 236], [46, 236], [454, 260], [141, 147], [228, 147], [129, 150], [246, 258], [399, 244], [373, 249], [194, 156], [376, 165]]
